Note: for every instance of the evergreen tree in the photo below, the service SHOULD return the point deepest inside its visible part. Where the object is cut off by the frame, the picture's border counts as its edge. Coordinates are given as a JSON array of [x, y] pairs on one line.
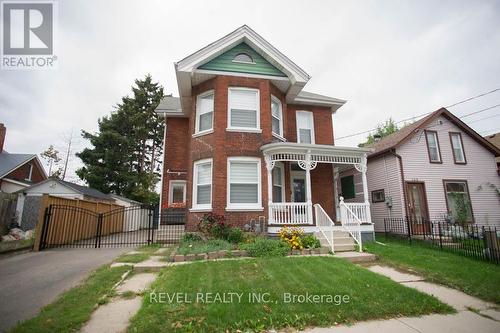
[[126, 150]]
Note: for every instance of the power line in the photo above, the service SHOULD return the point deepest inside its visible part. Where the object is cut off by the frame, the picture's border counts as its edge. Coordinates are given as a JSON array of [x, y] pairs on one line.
[[493, 116], [479, 111], [493, 131], [427, 113]]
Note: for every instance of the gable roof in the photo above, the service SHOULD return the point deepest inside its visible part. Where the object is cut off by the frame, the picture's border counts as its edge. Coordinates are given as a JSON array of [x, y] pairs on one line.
[[85, 190], [392, 141], [10, 162]]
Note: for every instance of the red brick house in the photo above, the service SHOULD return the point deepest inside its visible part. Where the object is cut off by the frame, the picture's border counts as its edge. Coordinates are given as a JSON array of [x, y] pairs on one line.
[[18, 171], [246, 141]]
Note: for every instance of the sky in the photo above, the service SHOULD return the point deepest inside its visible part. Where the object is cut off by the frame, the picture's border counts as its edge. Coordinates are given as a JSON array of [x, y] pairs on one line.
[[386, 58]]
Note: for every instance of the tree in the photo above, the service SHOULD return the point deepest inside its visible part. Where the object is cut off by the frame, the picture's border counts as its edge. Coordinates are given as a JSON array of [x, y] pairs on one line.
[[125, 157], [383, 130], [51, 157]]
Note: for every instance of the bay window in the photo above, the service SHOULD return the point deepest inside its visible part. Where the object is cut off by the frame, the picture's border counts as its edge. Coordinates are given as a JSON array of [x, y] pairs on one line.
[[243, 110], [244, 183], [204, 112], [202, 184]]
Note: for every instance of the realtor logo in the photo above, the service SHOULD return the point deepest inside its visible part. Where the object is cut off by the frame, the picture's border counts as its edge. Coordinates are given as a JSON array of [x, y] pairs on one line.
[[28, 34]]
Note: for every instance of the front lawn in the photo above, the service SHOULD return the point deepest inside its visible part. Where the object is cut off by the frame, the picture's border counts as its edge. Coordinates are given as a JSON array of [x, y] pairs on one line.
[[70, 311], [369, 296], [474, 277]]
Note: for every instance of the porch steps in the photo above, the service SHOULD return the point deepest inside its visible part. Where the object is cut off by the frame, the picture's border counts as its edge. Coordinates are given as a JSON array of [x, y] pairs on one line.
[[342, 241]]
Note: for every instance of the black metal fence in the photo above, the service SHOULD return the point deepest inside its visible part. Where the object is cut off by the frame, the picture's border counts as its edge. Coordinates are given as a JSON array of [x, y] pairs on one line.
[[69, 226], [478, 242]]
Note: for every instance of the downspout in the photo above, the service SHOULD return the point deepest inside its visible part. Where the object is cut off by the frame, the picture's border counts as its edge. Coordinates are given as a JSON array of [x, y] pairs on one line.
[[402, 174]]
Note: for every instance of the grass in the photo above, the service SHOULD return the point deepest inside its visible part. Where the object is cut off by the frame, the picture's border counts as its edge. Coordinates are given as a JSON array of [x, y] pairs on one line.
[[150, 249], [474, 277], [73, 308], [370, 296], [132, 258], [204, 246]]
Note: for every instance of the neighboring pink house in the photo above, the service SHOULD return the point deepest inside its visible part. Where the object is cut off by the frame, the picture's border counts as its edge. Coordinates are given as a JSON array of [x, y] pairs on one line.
[[425, 168]]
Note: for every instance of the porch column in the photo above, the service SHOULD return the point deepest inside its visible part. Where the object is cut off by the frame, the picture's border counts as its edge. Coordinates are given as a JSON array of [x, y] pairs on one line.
[[336, 192], [308, 165], [269, 167], [363, 166]]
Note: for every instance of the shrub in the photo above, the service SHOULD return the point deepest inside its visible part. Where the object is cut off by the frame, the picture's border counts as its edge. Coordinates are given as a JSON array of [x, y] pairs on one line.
[[213, 225], [191, 237], [235, 235], [292, 236], [310, 242], [264, 247]]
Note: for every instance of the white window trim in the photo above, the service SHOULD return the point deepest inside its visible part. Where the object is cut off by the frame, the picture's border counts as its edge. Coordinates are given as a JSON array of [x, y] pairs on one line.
[[280, 166], [197, 118], [30, 173], [238, 206], [277, 100], [171, 185], [313, 135], [194, 205], [242, 129]]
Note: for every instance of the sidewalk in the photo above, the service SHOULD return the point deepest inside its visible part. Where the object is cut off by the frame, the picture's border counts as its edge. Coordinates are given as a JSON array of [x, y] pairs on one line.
[[484, 318]]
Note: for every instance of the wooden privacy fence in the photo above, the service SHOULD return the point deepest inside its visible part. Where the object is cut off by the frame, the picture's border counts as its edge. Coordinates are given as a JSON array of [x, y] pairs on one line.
[[7, 211], [75, 220]]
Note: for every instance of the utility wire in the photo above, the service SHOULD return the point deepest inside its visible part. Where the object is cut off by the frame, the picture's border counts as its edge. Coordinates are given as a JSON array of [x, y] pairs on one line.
[[427, 113]]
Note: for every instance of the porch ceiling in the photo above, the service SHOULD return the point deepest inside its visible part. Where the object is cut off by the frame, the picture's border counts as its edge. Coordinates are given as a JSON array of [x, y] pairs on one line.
[[291, 151]]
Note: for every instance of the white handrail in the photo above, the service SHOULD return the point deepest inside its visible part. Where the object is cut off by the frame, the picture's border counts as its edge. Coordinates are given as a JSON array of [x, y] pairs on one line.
[[325, 224], [351, 223]]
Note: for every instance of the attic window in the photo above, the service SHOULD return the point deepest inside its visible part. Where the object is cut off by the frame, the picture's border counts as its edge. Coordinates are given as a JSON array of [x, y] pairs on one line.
[[243, 57]]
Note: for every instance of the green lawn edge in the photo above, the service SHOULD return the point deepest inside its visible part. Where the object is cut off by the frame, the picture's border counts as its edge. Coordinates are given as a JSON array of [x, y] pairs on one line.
[[74, 307], [474, 277]]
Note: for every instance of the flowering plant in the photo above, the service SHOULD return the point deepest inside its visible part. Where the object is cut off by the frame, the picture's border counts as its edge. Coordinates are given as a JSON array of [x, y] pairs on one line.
[[292, 236], [213, 225]]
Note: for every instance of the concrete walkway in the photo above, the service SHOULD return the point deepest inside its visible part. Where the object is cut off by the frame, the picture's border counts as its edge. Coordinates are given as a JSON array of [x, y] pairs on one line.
[[29, 281], [465, 321]]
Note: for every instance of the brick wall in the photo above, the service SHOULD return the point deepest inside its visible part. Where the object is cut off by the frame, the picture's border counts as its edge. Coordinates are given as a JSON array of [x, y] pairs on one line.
[[222, 144], [22, 173]]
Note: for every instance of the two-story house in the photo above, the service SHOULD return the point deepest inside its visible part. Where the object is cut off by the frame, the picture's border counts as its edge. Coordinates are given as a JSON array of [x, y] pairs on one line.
[[246, 141], [429, 170]]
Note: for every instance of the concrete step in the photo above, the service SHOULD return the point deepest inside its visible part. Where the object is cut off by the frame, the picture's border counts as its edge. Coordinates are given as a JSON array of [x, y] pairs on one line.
[[343, 248], [356, 257], [341, 234], [343, 241]]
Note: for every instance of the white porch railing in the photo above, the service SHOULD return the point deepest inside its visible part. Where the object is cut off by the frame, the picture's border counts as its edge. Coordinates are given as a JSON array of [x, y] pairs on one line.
[[360, 210], [289, 213], [351, 222], [325, 224]]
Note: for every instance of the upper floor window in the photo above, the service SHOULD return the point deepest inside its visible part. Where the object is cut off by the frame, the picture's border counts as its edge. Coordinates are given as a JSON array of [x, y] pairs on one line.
[[205, 112], [244, 110], [243, 188], [243, 57], [432, 140], [202, 184], [305, 127], [457, 147], [277, 116]]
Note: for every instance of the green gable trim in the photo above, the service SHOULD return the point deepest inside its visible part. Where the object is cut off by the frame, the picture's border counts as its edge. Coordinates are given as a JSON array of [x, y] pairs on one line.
[[225, 63]]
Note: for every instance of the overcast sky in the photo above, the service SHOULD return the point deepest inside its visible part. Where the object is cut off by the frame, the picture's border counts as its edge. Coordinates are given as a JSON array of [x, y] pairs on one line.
[[387, 58]]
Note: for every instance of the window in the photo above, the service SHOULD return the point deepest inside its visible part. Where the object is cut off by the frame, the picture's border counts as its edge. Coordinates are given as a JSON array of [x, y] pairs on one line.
[[243, 57], [458, 200], [202, 184], [278, 183], [378, 196], [204, 112], [305, 127], [458, 148], [243, 183], [347, 186], [177, 192], [433, 146], [244, 111], [277, 116]]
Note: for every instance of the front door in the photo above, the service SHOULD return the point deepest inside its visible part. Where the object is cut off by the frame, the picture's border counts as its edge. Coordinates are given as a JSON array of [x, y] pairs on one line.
[[298, 186], [417, 207]]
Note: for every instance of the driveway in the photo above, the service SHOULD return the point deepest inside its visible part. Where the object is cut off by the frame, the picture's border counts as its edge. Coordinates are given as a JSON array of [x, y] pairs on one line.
[[32, 280]]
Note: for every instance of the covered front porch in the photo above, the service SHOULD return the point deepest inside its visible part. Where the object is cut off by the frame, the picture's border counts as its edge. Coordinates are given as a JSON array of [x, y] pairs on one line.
[[303, 188]]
